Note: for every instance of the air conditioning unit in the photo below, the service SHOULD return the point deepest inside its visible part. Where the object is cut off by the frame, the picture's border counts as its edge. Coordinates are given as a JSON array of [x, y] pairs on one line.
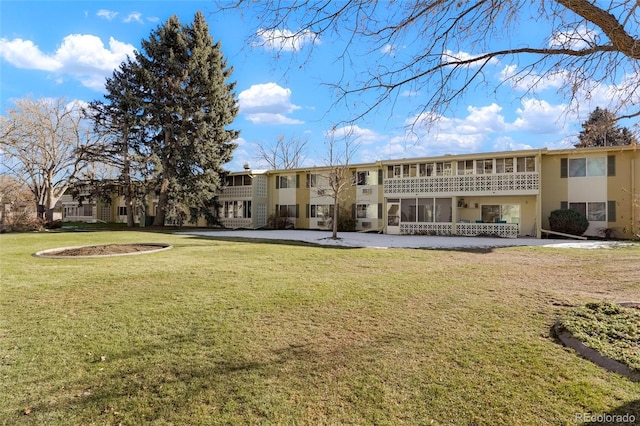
[[366, 225], [321, 223]]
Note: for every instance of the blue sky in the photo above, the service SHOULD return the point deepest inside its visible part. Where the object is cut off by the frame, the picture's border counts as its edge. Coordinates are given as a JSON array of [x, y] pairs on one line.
[[67, 48]]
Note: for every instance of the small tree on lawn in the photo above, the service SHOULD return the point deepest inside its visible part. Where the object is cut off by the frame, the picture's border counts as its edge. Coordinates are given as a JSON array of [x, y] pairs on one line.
[[339, 154]]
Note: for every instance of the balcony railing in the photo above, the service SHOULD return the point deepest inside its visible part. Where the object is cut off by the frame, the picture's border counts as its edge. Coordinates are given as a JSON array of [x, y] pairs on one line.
[[508, 183], [234, 223], [504, 230], [236, 192]]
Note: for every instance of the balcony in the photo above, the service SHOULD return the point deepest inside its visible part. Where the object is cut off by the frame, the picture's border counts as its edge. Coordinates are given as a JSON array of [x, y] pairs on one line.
[[491, 184], [236, 192]]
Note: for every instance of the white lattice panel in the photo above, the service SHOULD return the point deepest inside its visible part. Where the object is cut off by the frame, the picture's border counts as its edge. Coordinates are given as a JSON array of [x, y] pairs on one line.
[[236, 192], [236, 223], [261, 215], [426, 228], [505, 230], [463, 184], [260, 183]]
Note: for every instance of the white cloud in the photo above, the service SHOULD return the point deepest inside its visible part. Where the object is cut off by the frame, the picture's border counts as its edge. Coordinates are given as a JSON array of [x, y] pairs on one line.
[[538, 116], [357, 135], [286, 39], [506, 143], [133, 17], [267, 104], [270, 118], [451, 57], [532, 81], [576, 39], [82, 56], [26, 55], [107, 14]]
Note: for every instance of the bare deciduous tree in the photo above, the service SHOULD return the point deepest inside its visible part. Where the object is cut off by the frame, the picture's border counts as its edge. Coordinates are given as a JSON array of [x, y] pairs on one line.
[[339, 176], [42, 144], [284, 154], [442, 49]]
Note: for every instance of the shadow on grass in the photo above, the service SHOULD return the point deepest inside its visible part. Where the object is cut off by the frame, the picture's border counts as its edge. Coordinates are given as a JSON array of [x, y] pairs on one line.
[[248, 240]]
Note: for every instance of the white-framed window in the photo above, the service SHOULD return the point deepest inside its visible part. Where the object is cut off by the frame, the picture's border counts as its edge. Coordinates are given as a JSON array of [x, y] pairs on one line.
[[593, 211], [484, 167], [366, 211], [504, 165], [425, 209], [465, 167], [500, 213], [238, 180], [584, 167], [284, 182], [526, 164], [240, 209], [321, 211]]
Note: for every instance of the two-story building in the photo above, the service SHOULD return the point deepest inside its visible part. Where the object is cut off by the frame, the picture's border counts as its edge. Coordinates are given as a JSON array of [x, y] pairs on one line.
[[507, 194]]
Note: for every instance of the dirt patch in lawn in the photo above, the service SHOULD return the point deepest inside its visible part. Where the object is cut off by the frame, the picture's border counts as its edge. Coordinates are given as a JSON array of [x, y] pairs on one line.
[[103, 250]]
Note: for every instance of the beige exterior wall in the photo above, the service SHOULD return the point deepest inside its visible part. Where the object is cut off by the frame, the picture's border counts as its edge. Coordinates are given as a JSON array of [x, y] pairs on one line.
[[619, 188]]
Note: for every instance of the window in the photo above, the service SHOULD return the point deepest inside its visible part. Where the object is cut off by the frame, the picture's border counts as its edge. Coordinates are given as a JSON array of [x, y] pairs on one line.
[[484, 167], [290, 210], [579, 207], [238, 180], [597, 212], [526, 164], [465, 167], [87, 210], [504, 165], [122, 210], [577, 167], [236, 209], [366, 211], [362, 178], [501, 213], [597, 166], [425, 210], [284, 182], [443, 168], [312, 180], [593, 211], [408, 210], [321, 211]]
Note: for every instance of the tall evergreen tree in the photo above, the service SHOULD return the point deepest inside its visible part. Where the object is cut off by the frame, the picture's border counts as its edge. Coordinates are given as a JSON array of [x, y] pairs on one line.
[[119, 119], [187, 105], [600, 130]]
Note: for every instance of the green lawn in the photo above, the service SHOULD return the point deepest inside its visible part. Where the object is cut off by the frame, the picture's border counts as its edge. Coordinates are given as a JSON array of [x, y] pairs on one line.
[[232, 332]]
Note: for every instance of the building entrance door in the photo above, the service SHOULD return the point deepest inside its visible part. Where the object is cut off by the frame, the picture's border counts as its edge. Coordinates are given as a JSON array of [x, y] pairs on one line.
[[393, 217]]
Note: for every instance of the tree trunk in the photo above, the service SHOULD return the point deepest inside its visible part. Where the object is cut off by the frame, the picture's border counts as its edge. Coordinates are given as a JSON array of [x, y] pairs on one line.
[[163, 201], [334, 235]]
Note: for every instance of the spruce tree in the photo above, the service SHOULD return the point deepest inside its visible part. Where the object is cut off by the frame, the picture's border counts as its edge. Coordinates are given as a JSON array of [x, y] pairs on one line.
[[600, 130], [119, 121], [187, 105]]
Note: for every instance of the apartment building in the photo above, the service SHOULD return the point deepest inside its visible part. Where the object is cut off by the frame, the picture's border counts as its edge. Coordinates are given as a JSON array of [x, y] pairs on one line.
[[508, 194]]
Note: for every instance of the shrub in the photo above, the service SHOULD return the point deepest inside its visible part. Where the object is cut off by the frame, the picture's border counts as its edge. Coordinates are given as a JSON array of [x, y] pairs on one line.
[[275, 221], [568, 222], [346, 223]]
